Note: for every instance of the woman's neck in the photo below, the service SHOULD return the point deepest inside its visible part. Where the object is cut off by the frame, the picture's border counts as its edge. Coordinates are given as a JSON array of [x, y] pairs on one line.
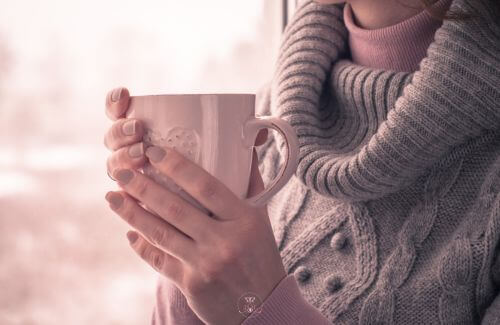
[[382, 13]]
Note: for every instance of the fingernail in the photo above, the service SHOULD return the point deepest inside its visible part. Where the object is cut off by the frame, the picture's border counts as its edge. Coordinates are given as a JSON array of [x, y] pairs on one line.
[[123, 175], [115, 200], [128, 127], [116, 94], [155, 154], [132, 237], [136, 150]]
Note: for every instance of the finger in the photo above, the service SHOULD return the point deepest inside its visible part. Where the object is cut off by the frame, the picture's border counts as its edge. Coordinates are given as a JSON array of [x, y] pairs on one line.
[[131, 157], [117, 101], [166, 204], [160, 261], [157, 232], [261, 137], [123, 132], [203, 187]]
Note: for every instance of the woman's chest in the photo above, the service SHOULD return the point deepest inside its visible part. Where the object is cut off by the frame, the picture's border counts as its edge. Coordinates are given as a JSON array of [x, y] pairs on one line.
[[420, 248]]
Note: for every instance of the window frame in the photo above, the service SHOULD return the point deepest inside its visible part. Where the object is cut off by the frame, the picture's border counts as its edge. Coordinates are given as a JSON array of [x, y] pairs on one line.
[[287, 8]]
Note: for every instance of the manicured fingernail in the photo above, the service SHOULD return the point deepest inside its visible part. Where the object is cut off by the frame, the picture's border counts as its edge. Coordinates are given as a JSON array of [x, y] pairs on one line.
[[128, 127], [115, 200], [123, 175], [155, 154], [132, 237], [136, 150], [116, 94]]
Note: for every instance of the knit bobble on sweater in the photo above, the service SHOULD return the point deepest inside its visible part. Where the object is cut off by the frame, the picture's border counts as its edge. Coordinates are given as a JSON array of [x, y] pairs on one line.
[[302, 274], [338, 241], [333, 283]]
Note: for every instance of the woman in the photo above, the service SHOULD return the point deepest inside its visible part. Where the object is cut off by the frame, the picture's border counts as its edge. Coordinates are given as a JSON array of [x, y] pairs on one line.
[[393, 215]]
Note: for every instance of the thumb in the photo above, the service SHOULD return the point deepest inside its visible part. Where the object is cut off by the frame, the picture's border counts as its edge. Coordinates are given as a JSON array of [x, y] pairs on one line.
[[256, 184]]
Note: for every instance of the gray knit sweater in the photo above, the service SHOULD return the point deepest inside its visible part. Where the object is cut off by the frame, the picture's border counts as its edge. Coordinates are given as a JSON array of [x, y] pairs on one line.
[[393, 216]]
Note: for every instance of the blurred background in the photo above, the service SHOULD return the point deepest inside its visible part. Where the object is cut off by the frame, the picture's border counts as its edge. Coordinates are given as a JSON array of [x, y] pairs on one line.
[[64, 257]]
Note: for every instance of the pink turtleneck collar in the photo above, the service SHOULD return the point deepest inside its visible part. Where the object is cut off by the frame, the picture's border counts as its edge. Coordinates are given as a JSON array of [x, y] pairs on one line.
[[399, 47]]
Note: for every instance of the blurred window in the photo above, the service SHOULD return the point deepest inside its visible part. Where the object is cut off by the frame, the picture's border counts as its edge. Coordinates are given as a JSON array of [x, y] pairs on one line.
[[64, 255]]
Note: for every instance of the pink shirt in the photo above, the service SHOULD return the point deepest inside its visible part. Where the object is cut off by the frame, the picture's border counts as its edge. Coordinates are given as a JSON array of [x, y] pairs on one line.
[[399, 47]]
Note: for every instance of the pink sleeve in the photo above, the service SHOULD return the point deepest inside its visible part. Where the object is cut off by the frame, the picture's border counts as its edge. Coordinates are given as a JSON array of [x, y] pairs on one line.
[[171, 307], [286, 305]]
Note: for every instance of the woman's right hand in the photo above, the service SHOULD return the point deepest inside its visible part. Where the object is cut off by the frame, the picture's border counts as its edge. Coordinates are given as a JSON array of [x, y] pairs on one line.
[[124, 137]]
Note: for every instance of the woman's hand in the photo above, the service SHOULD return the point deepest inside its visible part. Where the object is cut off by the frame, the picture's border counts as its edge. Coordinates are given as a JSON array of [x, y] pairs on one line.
[[125, 135], [214, 260]]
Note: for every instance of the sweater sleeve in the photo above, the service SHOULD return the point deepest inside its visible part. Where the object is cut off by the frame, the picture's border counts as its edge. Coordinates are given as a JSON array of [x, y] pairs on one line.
[[286, 305], [171, 306]]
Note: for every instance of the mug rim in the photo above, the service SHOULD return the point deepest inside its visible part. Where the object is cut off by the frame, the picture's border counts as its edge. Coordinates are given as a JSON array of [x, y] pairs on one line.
[[196, 94]]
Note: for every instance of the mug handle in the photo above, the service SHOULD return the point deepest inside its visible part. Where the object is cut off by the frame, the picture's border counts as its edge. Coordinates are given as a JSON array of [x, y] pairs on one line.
[[250, 130]]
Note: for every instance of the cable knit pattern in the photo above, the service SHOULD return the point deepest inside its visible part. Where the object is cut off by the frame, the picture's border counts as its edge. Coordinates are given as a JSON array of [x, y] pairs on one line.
[[454, 274], [415, 230]]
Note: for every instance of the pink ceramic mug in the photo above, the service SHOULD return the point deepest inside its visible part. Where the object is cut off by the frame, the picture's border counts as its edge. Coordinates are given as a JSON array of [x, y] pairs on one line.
[[216, 131]]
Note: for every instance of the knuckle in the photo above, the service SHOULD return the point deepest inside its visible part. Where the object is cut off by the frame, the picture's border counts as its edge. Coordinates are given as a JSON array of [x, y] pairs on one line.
[[208, 188], [109, 139], [157, 260], [116, 130], [115, 138], [174, 209], [159, 237], [212, 272], [113, 162], [146, 252]]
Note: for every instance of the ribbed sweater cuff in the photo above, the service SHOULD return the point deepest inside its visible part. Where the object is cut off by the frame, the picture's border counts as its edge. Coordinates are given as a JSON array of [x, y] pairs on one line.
[[286, 305]]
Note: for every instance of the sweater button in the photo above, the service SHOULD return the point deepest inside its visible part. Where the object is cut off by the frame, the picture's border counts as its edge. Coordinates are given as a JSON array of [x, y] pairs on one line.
[[338, 241], [302, 274], [333, 283]]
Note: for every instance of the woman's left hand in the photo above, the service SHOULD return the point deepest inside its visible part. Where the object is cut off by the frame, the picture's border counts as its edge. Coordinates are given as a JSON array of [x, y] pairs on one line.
[[214, 260]]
